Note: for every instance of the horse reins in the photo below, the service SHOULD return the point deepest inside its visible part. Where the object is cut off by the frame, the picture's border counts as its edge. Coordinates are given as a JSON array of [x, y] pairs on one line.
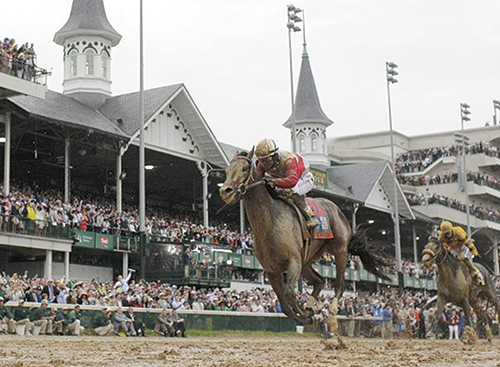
[[435, 256], [244, 186]]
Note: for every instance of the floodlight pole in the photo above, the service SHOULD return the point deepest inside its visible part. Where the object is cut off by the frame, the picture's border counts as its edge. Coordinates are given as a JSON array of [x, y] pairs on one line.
[[142, 154], [464, 112], [292, 19], [390, 74]]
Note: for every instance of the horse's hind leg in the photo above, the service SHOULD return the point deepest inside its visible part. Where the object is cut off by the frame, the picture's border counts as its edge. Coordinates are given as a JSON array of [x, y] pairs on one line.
[[314, 279], [340, 253]]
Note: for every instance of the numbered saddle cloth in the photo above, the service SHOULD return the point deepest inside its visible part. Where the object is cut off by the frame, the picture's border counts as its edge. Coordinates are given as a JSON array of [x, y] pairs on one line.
[[324, 230]]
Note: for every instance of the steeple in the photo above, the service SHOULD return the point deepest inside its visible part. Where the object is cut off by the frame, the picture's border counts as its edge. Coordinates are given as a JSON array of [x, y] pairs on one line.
[[87, 39], [310, 120]]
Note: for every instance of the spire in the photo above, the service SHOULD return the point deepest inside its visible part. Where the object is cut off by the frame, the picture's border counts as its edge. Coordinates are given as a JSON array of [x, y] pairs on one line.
[[307, 106], [87, 17]]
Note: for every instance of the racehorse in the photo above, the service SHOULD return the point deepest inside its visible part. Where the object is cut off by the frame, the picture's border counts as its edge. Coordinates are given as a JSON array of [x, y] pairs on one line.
[[456, 285], [278, 244]]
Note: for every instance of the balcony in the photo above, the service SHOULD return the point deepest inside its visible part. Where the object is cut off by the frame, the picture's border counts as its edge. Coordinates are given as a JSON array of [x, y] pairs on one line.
[[23, 80]]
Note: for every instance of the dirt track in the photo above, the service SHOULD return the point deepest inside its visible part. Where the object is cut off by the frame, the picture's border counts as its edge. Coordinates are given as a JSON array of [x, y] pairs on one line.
[[241, 350]]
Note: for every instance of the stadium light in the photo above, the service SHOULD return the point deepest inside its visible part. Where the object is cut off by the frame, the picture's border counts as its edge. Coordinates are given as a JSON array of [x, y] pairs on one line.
[[293, 18], [149, 167], [3, 139]]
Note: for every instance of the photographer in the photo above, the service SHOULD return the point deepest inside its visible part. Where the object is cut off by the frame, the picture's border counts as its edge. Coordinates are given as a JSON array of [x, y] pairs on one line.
[[102, 323]]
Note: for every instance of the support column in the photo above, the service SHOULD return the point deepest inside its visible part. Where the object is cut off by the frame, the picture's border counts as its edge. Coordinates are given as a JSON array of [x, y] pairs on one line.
[[414, 238], [125, 264], [242, 217], [48, 265], [67, 171], [205, 199], [355, 208], [6, 154], [496, 261], [119, 170], [66, 265]]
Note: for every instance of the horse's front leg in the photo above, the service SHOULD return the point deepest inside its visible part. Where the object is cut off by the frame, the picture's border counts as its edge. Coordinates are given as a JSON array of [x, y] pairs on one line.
[[278, 284], [292, 277]]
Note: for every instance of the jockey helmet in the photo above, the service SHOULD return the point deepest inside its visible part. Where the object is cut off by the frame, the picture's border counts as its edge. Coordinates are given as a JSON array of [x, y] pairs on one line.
[[446, 228], [266, 148]]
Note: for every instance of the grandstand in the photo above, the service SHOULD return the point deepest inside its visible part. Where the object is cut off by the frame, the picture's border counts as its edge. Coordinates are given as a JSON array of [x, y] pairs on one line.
[[73, 156]]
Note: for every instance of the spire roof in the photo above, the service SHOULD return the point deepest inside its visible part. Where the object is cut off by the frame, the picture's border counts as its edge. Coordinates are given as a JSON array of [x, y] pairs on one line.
[[307, 106], [87, 17]]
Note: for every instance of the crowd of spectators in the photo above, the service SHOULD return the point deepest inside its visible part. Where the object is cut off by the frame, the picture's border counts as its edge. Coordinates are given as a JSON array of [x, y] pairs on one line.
[[43, 211], [408, 312], [478, 178], [484, 213], [17, 60], [419, 160]]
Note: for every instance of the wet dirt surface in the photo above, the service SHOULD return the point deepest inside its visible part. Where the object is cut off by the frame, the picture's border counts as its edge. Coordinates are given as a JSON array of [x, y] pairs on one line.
[[242, 350]]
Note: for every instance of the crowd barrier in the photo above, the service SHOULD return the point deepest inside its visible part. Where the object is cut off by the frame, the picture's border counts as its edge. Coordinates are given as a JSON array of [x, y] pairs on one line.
[[227, 320]]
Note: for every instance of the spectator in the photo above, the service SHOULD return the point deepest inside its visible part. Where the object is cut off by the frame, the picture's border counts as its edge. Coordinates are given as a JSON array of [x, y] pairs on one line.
[[139, 326], [21, 317], [7, 322], [453, 322], [122, 323], [387, 321], [164, 325], [41, 317], [73, 321], [102, 323], [50, 290], [179, 324]]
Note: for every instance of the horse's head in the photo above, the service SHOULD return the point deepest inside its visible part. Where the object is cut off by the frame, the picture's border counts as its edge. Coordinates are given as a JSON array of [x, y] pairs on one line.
[[238, 177], [431, 251]]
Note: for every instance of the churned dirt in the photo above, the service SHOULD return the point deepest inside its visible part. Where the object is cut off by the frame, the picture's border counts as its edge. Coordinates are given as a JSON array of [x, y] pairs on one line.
[[242, 351]]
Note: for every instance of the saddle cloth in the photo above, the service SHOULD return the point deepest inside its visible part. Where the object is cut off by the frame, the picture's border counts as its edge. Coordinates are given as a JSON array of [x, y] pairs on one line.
[[324, 230]]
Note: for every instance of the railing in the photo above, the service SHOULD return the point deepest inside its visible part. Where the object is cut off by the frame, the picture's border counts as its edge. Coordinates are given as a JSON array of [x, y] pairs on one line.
[[41, 228], [478, 178], [23, 70]]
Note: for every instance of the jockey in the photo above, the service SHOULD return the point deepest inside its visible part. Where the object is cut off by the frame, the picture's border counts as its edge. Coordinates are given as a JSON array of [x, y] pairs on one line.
[[288, 172], [460, 245]]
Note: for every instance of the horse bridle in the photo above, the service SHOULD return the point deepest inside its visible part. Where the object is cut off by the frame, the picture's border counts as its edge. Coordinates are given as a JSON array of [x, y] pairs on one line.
[[427, 251], [243, 187]]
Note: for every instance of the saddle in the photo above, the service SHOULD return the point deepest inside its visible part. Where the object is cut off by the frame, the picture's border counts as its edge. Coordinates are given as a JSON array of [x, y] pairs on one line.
[[323, 231]]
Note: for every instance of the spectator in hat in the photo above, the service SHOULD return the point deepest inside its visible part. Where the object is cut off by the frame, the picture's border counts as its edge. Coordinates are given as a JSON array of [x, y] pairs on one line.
[[21, 317], [102, 323], [41, 317], [7, 322]]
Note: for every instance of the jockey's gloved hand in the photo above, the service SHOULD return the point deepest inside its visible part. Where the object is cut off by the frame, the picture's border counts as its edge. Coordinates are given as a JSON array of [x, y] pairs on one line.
[[269, 181], [475, 253]]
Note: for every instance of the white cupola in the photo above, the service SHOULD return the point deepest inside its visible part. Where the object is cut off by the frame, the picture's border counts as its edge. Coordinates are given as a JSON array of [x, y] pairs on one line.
[[87, 39], [310, 120]]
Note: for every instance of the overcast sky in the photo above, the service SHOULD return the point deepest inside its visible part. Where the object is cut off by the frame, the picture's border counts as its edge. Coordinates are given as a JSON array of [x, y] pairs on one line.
[[232, 55]]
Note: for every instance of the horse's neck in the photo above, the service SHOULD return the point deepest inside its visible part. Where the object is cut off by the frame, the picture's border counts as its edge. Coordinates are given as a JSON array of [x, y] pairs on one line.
[[258, 205]]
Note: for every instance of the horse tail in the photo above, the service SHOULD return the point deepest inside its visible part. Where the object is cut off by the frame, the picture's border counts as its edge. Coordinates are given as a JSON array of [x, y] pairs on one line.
[[371, 262]]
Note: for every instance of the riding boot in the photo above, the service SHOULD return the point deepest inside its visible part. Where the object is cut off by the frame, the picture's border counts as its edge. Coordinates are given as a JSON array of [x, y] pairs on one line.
[[311, 220], [474, 271]]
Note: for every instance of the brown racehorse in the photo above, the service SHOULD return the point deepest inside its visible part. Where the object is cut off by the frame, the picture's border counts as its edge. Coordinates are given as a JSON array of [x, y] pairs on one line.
[[278, 238], [456, 285]]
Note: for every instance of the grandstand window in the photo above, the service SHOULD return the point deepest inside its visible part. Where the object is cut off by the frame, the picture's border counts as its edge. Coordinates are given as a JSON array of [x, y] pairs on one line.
[[302, 143], [314, 142], [104, 65], [73, 65], [89, 63]]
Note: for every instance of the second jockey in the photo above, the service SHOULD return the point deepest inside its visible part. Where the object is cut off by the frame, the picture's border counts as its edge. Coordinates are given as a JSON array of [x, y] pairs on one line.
[[461, 246], [287, 172]]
